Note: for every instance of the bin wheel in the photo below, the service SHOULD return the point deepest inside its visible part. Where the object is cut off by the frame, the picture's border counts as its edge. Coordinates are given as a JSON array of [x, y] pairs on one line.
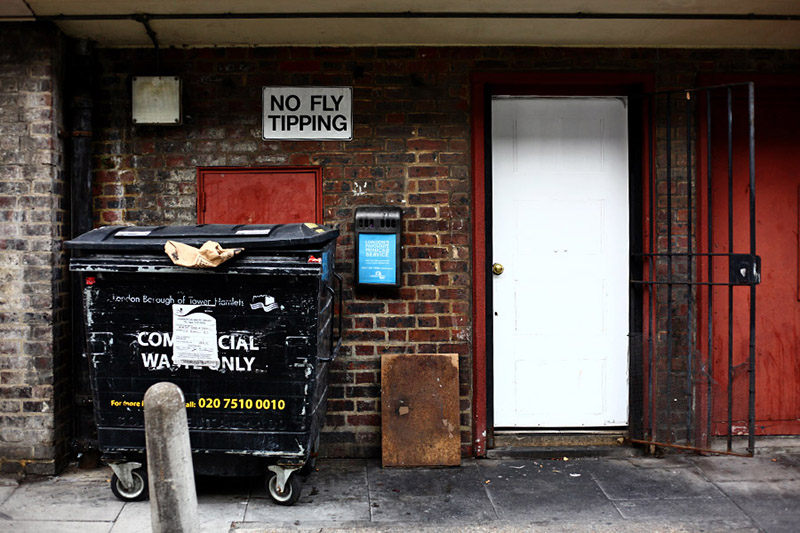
[[136, 493], [291, 491]]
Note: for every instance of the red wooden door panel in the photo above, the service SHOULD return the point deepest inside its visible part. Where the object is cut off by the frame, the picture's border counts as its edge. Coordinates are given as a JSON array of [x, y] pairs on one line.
[[777, 119], [259, 195]]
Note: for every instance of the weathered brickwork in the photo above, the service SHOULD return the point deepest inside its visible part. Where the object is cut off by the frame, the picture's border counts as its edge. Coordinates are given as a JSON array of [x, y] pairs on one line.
[[34, 312], [411, 148]]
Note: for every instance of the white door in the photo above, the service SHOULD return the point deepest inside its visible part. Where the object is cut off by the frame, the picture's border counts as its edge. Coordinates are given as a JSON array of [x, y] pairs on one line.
[[560, 230]]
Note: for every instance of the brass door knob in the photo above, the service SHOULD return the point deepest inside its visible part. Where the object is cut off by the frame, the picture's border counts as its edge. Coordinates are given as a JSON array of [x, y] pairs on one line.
[[497, 269]]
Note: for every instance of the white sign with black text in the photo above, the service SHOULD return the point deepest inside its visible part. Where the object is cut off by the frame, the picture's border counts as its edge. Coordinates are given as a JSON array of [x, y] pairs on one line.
[[306, 113]]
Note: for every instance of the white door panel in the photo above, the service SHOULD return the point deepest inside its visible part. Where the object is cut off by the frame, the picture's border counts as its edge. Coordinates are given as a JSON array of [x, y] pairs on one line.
[[560, 229]]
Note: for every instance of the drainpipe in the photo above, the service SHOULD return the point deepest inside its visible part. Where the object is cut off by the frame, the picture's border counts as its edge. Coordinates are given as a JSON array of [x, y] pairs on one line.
[[81, 104], [79, 75]]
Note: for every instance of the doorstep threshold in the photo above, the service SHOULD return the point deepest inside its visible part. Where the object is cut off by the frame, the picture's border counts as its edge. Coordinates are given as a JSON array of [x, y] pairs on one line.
[[559, 443]]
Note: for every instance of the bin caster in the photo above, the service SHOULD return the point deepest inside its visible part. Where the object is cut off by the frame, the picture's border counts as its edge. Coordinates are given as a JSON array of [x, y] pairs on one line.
[[283, 488], [129, 482]]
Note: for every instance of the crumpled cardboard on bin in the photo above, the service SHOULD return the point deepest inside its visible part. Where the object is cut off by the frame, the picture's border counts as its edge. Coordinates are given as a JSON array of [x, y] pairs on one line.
[[210, 255]]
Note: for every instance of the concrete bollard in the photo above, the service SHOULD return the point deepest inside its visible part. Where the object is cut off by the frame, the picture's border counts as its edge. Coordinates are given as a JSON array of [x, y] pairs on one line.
[[173, 497]]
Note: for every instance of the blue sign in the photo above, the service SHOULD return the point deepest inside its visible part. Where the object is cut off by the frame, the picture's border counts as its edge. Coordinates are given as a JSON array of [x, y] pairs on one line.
[[377, 258]]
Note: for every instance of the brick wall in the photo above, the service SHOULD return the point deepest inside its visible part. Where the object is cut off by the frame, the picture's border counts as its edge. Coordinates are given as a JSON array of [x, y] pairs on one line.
[[34, 319], [411, 148]]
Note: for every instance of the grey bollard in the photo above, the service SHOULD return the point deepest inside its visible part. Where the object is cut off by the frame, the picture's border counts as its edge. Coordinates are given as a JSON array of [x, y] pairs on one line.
[[173, 498]]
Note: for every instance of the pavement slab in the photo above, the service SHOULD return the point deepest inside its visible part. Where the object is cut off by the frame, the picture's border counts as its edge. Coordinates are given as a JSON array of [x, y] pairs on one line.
[[218, 505], [686, 510], [5, 493], [336, 492], [773, 505], [564, 527], [758, 468], [676, 494], [453, 495], [40, 526], [671, 461], [535, 491], [82, 496], [622, 480]]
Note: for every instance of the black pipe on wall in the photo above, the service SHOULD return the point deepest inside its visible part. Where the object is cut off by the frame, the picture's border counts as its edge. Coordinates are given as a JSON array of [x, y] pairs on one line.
[[81, 102]]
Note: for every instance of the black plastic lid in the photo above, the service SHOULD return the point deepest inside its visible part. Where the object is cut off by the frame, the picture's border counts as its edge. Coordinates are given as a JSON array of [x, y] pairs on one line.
[[247, 236]]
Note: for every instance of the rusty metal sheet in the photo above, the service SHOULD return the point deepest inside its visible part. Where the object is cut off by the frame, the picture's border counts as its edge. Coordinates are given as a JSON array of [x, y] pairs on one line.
[[420, 410]]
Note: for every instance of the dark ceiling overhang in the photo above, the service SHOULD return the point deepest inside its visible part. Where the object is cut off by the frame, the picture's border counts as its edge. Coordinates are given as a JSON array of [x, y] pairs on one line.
[[659, 23]]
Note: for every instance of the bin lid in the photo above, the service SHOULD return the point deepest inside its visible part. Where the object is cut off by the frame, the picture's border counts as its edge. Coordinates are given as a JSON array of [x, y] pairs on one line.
[[247, 236]]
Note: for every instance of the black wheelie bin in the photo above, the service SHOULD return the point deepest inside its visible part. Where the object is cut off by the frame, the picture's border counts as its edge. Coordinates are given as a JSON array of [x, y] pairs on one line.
[[248, 342]]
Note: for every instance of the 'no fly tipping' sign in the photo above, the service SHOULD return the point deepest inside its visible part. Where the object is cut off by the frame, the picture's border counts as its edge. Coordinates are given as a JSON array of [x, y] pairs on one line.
[[306, 113]]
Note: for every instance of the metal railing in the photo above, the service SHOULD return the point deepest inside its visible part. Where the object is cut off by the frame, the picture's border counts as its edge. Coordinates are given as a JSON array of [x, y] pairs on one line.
[[678, 275]]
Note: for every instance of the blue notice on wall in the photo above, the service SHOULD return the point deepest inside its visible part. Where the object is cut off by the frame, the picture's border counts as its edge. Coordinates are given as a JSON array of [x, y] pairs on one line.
[[377, 258]]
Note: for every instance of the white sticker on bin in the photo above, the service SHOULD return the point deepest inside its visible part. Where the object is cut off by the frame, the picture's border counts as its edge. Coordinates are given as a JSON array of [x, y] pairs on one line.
[[194, 336], [253, 231], [132, 233]]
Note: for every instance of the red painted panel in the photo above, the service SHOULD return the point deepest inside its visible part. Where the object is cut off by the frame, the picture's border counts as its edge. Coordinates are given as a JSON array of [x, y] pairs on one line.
[[259, 195], [777, 121]]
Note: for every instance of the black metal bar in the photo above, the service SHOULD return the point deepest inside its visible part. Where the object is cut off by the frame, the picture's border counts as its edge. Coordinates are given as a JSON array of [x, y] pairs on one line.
[[659, 255], [752, 356], [430, 15], [730, 250], [80, 207], [636, 154], [689, 273], [669, 268], [710, 308], [651, 268]]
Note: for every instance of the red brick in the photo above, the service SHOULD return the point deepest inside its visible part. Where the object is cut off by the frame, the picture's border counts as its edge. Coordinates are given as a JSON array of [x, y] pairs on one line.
[[364, 420], [397, 308], [428, 335], [426, 144]]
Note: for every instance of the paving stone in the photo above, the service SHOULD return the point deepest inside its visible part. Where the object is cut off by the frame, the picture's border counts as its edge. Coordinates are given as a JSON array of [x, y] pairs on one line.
[[774, 505], [40, 526], [621, 480], [697, 509], [787, 459], [671, 461], [731, 468], [216, 514], [336, 492], [535, 491], [64, 498], [452, 495], [5, 493], [547, 496], [539, 527]]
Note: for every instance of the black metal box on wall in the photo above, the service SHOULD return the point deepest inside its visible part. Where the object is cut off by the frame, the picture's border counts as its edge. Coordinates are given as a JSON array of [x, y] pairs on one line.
[[378, 245]]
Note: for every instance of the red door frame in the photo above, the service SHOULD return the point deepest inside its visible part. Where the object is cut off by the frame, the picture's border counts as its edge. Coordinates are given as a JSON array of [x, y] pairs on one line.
[[317, 171], [484, 84], [770, 81]]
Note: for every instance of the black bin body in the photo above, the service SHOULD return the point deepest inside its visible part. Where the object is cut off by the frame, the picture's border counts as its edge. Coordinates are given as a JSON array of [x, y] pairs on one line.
[[269, 310]]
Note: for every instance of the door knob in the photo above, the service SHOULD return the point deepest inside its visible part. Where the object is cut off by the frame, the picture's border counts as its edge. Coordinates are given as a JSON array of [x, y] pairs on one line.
[[497, 269]]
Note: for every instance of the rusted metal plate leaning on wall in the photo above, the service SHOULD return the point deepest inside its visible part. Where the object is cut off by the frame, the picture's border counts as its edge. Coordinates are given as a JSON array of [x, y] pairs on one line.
[[419, 410]]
